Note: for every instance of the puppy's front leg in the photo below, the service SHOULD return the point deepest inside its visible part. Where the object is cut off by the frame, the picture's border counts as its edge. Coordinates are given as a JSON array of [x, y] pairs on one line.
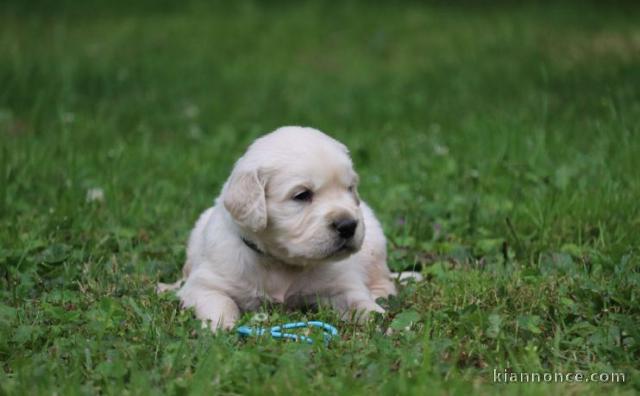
[[210, 305], [355, 304]]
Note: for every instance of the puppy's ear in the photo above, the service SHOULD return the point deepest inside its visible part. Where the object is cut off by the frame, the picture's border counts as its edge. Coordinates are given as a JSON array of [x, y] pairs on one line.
[[244, 199]]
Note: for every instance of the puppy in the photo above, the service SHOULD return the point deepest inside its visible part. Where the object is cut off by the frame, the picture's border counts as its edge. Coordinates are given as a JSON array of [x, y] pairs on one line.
[[288, 227]]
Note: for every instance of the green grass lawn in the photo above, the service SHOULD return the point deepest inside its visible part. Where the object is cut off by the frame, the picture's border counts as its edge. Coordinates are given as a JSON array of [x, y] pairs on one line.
[[499, 145]]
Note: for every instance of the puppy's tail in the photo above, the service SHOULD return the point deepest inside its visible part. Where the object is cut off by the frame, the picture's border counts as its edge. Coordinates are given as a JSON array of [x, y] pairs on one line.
[[406, 275], [165, 287]]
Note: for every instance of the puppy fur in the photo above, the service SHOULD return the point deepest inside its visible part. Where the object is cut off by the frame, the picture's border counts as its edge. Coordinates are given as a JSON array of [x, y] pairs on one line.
[[277, 233]]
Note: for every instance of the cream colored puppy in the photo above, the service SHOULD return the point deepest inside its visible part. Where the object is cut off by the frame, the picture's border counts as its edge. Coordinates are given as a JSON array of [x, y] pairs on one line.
[[289, 227]]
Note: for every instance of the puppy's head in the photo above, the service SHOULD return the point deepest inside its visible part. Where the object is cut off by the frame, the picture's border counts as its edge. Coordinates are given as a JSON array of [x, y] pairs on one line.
[[294, 193]]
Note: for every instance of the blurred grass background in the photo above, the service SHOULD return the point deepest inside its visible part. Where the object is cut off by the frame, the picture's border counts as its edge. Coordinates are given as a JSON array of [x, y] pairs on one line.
[[497, 141]]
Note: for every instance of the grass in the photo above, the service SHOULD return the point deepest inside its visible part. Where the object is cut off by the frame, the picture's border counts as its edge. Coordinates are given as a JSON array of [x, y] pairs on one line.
[[498, 143]]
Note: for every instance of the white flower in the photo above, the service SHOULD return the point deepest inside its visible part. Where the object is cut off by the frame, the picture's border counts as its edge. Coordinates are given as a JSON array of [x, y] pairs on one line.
[[191, 111], [95, 194], [440, 150], [68, 117]]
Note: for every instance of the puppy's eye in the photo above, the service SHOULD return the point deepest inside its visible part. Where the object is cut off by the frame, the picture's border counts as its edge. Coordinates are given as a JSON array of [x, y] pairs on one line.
[[304, 196], [352, 188]]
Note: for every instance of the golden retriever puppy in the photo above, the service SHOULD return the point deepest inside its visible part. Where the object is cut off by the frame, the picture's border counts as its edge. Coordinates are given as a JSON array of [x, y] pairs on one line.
[[288, 227]]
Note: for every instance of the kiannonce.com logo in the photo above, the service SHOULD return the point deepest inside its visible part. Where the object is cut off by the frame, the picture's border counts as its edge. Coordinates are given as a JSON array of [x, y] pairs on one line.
[[506, 376]]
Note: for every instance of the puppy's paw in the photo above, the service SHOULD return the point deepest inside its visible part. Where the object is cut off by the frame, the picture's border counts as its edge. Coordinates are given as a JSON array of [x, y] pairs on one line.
[[362, 312], [220, 318], [215, 309]]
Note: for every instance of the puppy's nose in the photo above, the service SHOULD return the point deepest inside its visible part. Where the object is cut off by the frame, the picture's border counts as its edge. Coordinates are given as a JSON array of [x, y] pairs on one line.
[[345, 227]]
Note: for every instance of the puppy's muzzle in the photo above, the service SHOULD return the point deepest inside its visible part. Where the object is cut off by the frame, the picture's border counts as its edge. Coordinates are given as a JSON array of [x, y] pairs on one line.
[[345, 227]]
